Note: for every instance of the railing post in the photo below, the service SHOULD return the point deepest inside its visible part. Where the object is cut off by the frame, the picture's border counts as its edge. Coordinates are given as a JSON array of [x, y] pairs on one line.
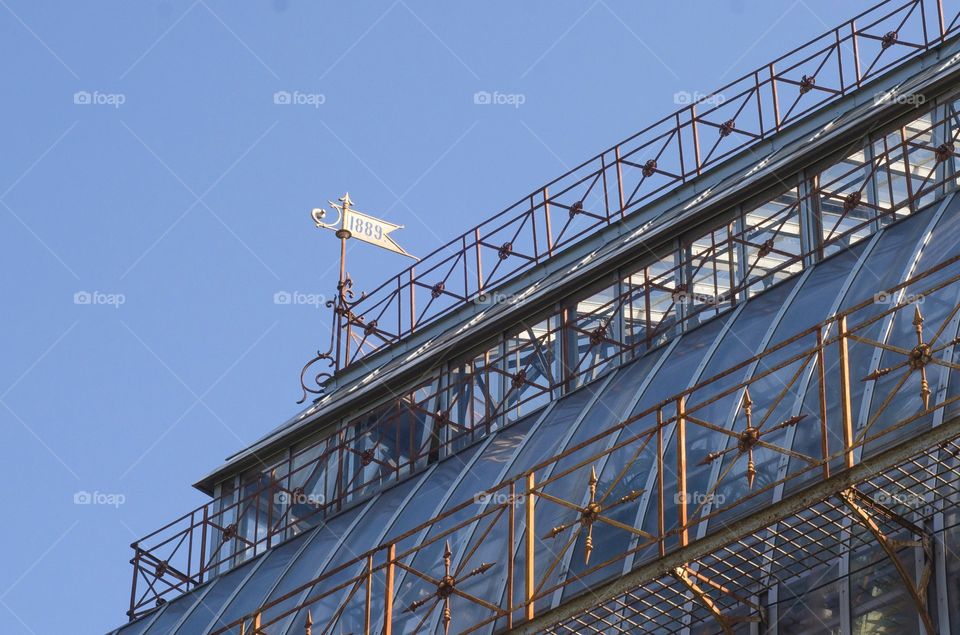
[[661, 525], [696, 138], [133, 587], [940, 18], [546, 218], [775, 98], [202, 567], [271, 499], [511, 536], [531, 544], [846, 415], [388, 594], [413, 299], [822, 378], [616, 155], [682, 470], [369, 596], [856, 51], [476, 244]]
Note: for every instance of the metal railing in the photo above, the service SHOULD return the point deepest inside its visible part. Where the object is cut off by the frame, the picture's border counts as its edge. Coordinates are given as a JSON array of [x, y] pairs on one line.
[[597, 529], [455, 405], [638, 170]]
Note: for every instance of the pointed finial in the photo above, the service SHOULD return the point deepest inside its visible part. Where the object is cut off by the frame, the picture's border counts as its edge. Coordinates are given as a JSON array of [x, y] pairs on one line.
[[917, 316], [447, 558], [308, 627], [447, 617], [588, 546], [345, 199]]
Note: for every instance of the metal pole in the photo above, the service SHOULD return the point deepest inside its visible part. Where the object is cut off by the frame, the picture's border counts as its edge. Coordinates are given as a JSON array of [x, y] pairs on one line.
[[682, 470], [388, 593], [531, 543], [846, 415]]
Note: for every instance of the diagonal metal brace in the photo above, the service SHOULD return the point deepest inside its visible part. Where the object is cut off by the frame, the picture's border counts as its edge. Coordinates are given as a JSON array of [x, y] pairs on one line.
[[691, 580], [861, 505]]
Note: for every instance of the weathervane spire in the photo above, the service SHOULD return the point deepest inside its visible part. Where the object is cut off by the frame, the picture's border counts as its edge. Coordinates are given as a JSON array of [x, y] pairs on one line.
[[349, 223]]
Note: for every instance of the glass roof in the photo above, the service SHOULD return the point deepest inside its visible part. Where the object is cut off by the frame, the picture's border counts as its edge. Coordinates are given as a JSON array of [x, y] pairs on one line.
[[841, 281]]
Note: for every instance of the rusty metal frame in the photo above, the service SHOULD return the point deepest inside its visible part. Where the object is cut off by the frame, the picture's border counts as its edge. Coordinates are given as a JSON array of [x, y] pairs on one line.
[[640, 169], [182, 554], [712, 571]]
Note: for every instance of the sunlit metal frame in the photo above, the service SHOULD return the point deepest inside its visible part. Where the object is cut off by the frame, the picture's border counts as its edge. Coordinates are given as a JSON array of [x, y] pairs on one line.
[[717, 576], [187, 551], [648, 165]]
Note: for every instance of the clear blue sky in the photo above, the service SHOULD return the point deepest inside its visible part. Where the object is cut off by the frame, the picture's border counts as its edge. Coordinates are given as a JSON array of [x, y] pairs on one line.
[[182, 196]]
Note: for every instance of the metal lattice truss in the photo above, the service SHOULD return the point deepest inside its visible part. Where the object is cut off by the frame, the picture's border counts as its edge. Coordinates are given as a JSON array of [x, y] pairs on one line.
[[533, 364], [680, 147], [675, 517], [887, 178], [721, 585]]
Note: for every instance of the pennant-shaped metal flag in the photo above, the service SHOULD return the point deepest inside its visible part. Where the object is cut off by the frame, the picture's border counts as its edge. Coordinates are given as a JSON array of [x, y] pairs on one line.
[[372, 230]]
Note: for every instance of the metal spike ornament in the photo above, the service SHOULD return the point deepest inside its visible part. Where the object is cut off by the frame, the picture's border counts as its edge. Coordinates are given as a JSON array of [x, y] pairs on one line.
[[349, 224], [748, 438], [446, 586], [920, 356], [589, 514]]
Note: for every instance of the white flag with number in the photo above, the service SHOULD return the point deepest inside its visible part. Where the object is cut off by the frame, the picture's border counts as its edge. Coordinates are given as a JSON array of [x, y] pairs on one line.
[[372, 230]]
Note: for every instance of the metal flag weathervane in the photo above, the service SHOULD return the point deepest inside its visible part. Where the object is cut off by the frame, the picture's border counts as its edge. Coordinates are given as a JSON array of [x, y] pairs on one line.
[[360, 226], [349, 224]]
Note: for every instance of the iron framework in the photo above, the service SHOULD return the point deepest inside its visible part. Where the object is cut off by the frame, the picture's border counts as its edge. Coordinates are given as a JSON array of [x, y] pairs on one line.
[[648, 165], [887, 177], [776, 508]]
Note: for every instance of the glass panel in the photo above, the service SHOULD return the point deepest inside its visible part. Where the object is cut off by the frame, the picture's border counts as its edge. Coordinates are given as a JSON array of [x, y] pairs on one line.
[[772, 240], [846, 202], [253, 592], [811, 603], [305, 567], [533, 364], [210, 605], [313, 483], [712, 274], [879, 603], [591, 336], [139, 626], [650, 311]]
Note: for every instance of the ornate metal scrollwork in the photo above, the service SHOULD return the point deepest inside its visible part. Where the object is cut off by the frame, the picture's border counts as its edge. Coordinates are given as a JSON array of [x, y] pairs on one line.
[[320, 376]]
